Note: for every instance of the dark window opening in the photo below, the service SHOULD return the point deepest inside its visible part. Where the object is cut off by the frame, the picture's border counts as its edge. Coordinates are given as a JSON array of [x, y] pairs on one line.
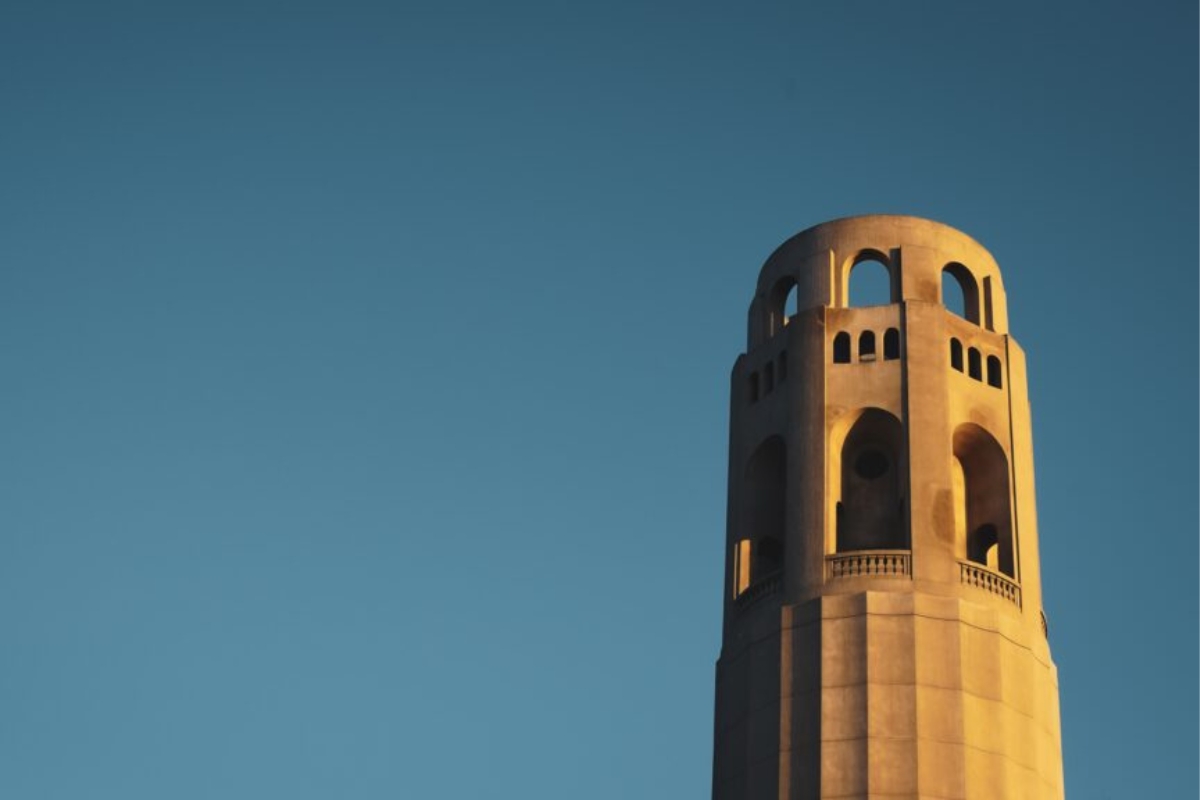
[[769, 377], [866, 346], [956, 360], [974, 364], [983, 515], [753, 384], [783, 366], [870, 509], [993, 372], [841, 348], [891, 344]]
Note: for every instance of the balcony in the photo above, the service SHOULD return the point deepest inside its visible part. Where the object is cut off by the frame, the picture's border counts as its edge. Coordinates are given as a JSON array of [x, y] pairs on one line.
[[869, 564], [981, 577]]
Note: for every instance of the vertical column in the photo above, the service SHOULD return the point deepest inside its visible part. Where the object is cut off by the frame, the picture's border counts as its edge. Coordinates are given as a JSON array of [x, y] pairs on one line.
[[805, 551], [926, 413]]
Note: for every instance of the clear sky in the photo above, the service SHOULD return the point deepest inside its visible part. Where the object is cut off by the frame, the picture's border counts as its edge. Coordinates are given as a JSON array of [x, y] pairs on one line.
[[363, 370]]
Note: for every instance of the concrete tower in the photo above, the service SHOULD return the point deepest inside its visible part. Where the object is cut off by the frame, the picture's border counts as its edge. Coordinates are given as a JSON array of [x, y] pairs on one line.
[[884, 634]]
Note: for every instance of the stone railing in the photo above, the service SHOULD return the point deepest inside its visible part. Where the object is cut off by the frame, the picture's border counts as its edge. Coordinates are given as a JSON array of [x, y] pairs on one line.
[[763, 587], [981, 577], [869, 563]]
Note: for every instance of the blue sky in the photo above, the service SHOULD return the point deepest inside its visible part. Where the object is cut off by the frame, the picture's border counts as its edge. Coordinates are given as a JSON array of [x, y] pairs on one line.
[[365, 370]]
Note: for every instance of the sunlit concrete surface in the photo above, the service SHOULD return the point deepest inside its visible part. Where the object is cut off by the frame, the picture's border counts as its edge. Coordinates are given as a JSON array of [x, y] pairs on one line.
[[884, 635]]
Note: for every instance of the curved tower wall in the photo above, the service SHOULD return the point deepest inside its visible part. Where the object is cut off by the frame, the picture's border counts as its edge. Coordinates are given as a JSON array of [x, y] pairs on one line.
[[883, 627]]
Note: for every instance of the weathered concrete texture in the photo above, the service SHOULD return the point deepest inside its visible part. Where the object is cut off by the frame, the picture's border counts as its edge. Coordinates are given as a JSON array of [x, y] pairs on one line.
[[883, 634]]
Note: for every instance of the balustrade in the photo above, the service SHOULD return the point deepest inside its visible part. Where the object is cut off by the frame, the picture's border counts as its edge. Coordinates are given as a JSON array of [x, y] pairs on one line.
[[869, 563], [981, 577], [767, 585]]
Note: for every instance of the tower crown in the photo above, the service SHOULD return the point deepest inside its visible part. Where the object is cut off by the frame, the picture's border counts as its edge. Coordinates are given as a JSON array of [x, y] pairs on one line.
[[817, 263]]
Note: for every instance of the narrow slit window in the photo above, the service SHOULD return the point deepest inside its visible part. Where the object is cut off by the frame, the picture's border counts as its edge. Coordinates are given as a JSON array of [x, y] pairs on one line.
[[993, 372], [974, 364], [769, 377], [956, 359], [841, 348], [891, 344], [866, 346], [753, 386], [782, 370]]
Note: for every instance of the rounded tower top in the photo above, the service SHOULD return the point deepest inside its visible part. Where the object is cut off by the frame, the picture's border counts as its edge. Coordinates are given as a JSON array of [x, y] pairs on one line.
[[817, 263]]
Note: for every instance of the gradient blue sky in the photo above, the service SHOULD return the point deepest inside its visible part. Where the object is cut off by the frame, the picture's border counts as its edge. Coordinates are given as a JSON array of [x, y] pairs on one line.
[[364, 370]]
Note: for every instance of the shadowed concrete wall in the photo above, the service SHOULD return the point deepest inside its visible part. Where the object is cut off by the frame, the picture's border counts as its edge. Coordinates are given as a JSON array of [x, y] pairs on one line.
[[885, 637]]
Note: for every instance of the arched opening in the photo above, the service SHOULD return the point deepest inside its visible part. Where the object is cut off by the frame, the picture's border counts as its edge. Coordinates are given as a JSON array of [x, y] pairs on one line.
[[841, 348], [761, 517], [780, 298], [974, 364], [960, 292], [993, 372], [873, 482], [891, 344], [866, 346], [870, 284], [791, 305], [956, 355], [982, 504]]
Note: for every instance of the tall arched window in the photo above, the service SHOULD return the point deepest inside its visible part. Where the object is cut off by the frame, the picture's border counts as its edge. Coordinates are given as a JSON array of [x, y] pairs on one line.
[[841, 348], [866, 346], [960, 292], [993, 372], [982, 503], [956, 355], [761, 513], [870, 283], [974, 364], [870, 509], [891, 344]]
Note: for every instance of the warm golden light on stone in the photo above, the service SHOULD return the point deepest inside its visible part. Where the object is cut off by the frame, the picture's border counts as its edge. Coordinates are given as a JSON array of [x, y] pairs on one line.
[[884, 634]]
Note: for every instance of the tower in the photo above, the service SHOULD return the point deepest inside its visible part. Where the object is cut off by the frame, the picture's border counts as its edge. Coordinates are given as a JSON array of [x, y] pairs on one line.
[[883, 629]]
